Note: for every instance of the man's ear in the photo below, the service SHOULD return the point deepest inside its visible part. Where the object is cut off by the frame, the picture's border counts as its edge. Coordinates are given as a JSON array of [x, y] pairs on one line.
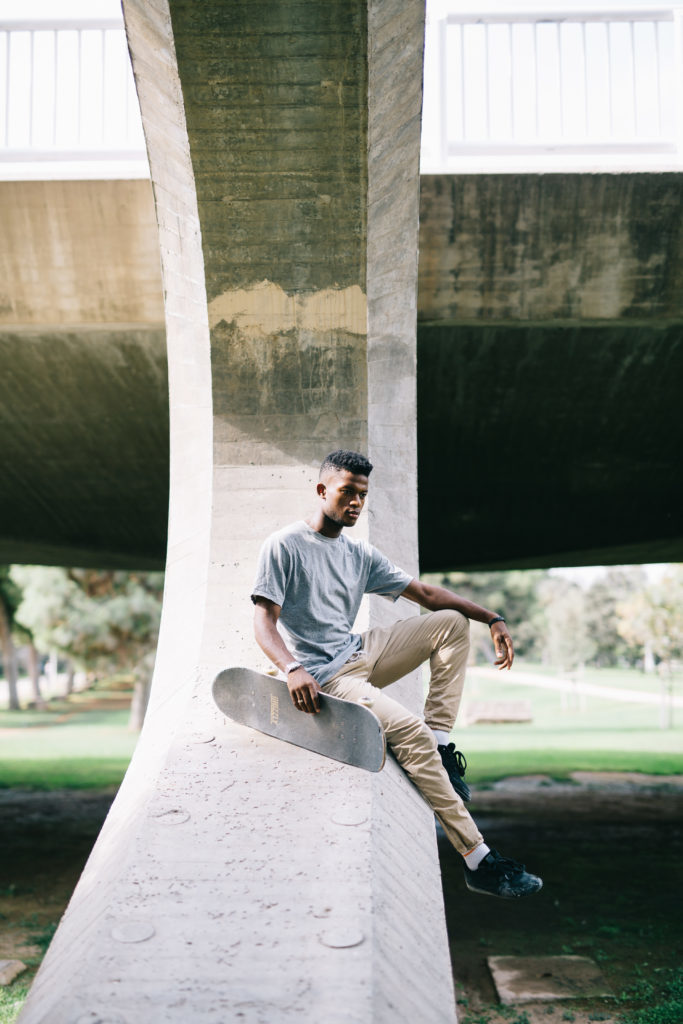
[[321, 490]]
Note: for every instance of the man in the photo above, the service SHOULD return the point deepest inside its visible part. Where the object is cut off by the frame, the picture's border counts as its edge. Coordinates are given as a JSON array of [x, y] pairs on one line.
[[310, 580]]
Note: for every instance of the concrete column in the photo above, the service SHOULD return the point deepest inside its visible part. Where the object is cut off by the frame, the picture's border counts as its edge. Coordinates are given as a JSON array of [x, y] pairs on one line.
[[239, 878]]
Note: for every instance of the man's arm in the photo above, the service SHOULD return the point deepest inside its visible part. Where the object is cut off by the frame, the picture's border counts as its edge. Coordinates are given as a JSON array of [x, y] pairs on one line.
[[303, 688], [435, 598]]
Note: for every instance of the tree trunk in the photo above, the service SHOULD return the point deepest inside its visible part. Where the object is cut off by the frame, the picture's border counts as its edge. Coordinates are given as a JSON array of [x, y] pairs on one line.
[[9, 657], [70, 676], [138, 704], [34, 675]]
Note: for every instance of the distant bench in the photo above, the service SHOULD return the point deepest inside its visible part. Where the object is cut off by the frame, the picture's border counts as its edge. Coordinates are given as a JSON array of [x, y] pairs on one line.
[[493, 712]]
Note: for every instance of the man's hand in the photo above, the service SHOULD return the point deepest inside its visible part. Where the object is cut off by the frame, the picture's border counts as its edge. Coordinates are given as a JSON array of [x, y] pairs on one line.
[[502, 641], [304, 690]]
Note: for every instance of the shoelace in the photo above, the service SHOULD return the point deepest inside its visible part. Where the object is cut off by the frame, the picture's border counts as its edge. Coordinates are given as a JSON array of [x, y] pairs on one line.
[[509, 866], [457, 757]]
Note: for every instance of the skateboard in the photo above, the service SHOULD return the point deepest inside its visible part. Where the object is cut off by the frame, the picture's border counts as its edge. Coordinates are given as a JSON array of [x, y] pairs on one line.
[[342, 729]]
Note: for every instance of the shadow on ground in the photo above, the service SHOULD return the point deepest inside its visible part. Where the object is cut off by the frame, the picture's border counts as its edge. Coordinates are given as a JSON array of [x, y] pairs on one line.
[[609, 849]]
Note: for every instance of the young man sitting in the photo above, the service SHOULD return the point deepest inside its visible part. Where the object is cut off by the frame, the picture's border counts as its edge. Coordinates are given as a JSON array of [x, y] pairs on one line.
[[310, 580]]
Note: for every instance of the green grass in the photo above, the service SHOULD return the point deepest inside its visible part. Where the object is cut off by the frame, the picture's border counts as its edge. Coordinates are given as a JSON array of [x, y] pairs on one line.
[[568, 733], [12, 999], [72, 744]]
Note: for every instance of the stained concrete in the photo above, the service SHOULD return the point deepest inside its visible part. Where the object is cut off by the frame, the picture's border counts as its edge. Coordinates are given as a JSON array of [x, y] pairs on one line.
[[84, 422], [549, 445], [237, 877], [549, 355], [546, 247], [528, 979], [551, 300], [77, 252]]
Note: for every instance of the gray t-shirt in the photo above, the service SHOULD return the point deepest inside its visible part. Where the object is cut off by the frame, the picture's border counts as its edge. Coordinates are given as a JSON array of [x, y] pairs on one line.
[[318, 582]]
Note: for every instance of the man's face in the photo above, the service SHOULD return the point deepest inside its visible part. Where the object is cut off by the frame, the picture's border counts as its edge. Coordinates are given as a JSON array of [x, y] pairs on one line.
[[343, 495]]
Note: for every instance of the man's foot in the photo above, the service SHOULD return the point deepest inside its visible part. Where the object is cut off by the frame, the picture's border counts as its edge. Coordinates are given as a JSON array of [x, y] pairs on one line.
[[501, 876], [455, 764]]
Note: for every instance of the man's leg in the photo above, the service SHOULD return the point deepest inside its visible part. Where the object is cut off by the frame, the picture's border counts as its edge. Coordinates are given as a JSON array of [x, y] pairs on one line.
[[388, 654], [441, 637], [415, 749]]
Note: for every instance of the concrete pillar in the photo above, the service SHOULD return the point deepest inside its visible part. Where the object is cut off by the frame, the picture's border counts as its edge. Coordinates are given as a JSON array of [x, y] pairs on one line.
[[238, 878]]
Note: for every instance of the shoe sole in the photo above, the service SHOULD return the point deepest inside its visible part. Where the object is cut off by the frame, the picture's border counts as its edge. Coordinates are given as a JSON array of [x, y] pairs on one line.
[[505, 896]]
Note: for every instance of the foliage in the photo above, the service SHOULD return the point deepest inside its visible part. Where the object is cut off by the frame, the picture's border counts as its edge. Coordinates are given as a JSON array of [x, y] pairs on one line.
[[515, 592], [11, 1000], [653, 617], [620, 620], [667, 1010], [567, 641], [102, 620]]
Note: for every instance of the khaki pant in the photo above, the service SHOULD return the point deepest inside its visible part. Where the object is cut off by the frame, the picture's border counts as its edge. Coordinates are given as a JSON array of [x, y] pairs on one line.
[[386, 655]]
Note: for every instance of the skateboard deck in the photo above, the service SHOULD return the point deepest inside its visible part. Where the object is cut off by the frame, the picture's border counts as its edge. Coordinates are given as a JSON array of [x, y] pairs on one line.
[[342, 729]]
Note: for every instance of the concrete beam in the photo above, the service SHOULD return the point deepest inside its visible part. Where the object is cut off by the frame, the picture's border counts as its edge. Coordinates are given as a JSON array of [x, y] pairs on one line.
[[536, 248], [239, 878]]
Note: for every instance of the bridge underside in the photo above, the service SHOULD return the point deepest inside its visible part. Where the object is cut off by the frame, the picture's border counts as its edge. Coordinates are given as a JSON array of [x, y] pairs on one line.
[[549, 445], [549, 354]]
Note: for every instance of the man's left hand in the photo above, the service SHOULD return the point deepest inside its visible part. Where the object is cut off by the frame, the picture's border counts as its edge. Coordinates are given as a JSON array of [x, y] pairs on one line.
[[502, 641]]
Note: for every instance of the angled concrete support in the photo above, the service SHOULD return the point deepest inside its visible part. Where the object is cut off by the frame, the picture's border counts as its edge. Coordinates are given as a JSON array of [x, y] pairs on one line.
[[238, 878]]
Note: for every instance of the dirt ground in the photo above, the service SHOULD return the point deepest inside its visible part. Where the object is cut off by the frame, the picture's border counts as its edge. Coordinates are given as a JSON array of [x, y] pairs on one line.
[[609, 848]]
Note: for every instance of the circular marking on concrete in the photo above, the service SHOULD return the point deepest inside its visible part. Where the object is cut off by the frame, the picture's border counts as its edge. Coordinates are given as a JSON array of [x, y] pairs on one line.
[[132, 931], [203, 737], [106, 1017], [349, 815], [171, 816], [342, 936]]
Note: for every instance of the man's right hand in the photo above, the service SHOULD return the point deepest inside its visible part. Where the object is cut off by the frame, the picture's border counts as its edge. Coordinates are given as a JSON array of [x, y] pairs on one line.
[[304, 690]]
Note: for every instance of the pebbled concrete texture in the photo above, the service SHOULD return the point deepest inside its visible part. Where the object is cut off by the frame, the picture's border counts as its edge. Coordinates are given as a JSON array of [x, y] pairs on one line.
[[238, 878]]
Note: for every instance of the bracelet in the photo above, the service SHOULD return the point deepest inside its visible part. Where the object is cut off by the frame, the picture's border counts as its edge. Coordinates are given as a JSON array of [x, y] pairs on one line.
[[496, 618]]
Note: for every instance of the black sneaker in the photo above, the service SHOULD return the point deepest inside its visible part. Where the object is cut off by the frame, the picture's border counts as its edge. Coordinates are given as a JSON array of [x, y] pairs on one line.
[[455, 764], [501, 876]]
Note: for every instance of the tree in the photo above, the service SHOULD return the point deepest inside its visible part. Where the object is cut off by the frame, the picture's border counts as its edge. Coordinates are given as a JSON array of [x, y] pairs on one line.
[[603, 597], [514, 593], [102, 620], [9, 599], [568, 644], [653, 618]]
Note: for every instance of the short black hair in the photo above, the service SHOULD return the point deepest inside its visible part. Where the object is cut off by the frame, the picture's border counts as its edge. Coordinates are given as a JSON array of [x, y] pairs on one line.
[[354, 462]]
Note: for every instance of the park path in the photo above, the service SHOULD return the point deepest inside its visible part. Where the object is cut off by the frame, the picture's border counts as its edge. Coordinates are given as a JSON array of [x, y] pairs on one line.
[[589, 689]]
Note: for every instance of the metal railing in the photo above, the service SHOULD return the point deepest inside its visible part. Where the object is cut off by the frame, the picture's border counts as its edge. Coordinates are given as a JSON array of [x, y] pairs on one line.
[[67, 93], [556, 83]]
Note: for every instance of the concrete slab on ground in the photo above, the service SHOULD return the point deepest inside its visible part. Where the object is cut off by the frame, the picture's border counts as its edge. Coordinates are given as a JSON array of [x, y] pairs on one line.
[[526, 979]]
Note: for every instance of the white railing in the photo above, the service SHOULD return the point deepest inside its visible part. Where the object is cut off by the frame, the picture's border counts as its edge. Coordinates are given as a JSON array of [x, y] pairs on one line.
[[67, 96], [594, 85]]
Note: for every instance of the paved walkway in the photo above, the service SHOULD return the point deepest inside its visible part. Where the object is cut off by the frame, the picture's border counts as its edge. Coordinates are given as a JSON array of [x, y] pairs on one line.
[[589, 689]]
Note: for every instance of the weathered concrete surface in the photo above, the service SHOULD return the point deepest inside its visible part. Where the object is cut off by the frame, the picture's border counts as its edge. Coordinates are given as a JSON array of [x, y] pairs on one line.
[[83, 378], [527, 286], [550, 347], [549, 445], [77, 252], [238, 878], [84, 423], [544, 247]]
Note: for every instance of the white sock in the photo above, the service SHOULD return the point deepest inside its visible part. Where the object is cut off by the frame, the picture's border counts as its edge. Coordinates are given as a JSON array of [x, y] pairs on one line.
[[442, 737], [474, 858]]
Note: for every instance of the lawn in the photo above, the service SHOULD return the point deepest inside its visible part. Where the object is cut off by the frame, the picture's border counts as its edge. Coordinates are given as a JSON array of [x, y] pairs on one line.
[[80, 742], [568, 732]]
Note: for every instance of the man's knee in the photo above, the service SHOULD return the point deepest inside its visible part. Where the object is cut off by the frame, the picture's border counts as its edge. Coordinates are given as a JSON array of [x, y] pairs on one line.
[[452, 623]]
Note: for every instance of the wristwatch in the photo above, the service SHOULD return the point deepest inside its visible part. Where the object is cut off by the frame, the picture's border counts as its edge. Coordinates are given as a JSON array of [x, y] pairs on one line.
[[292, 666]]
